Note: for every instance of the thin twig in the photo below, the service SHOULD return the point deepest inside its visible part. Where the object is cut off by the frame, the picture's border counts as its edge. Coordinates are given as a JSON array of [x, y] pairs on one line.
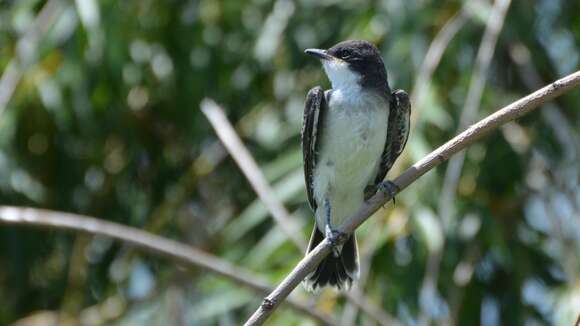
[[149, 243], [357, 298], [72, 303], [435, 158], [552, 114], [471, 106], [350, 311], [457, 289], [27, 45], [483, 59], [435, 53], [251, 170], [569, 144]]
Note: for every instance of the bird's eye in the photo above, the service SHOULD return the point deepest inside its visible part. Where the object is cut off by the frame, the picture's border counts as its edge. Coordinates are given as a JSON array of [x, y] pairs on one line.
[[346, 54]]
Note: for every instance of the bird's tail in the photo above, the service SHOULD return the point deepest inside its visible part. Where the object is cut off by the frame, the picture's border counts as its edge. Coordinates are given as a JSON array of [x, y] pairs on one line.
[[336, 271]]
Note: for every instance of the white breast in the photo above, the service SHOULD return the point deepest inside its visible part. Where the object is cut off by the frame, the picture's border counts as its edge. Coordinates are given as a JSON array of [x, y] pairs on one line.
[[352, 141]]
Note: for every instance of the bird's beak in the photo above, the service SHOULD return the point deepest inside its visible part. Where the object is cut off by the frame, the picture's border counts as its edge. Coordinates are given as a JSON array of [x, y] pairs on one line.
[[319, 53]]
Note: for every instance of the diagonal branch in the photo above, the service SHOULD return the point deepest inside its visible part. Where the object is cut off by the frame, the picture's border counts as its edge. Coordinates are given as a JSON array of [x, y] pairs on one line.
[[435, 158], [435, 53], [452, 175], [251, 170], [27, 49], [471, 106], [150, 243], [563, 131]]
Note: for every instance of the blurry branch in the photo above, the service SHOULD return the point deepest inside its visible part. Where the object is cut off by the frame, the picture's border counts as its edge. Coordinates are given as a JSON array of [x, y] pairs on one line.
[[8, 82], [569, 144], [433, 159], [462, 275], [27, 49], [149, 243], [469, 112], [422, 82], [552, 114], [357, 298], [72, 301], [435, 53], [366, 254], [453, 172], [272, 31], [251, 170], [105, 312]]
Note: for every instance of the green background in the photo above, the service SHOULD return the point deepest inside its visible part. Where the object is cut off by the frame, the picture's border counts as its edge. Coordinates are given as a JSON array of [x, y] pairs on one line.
[[105, 121]]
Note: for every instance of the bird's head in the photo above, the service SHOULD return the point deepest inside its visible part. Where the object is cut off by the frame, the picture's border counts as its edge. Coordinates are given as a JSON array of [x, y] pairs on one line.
[[353, 62]]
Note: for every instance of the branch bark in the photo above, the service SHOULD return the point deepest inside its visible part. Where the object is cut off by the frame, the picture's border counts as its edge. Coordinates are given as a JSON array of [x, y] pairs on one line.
[[435, 158], [148, 242]]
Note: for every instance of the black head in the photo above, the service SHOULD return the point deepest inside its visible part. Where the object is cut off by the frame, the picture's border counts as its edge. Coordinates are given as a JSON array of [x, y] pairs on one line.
[[362, 57]]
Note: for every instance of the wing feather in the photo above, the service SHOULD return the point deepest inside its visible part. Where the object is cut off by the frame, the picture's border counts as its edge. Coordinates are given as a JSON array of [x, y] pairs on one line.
[[314, 111], [397, 132]]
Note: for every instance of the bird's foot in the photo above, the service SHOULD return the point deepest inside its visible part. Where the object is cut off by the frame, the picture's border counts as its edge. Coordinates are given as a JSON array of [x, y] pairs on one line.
[[389, 187], [334, 237]]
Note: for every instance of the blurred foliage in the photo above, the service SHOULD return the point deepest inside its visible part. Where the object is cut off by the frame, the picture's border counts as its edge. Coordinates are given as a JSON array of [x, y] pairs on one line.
[[104, 120]]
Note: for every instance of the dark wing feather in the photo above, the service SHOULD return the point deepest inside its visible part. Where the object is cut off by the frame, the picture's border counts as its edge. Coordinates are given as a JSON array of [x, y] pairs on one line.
[[314, 111], [397, 132]]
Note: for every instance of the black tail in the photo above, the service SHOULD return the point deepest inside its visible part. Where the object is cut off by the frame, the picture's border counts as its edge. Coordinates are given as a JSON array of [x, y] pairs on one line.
[[336, 271]]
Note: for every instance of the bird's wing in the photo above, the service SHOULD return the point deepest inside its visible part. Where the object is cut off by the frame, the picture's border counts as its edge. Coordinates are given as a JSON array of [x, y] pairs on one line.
[[397, 132], [314, 112]]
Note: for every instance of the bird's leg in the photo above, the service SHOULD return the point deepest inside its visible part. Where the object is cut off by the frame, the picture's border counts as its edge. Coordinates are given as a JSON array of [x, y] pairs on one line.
[[390, 188], [330, 233]]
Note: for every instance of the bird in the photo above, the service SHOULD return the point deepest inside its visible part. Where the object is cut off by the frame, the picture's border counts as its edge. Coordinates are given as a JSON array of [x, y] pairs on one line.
[[351, 136]]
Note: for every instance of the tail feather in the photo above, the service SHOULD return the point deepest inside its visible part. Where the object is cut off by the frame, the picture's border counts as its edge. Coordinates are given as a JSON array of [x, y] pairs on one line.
[[336, 271]]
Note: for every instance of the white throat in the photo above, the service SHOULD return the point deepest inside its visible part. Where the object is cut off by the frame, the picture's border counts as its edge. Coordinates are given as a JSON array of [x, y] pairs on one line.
[[341, 76]]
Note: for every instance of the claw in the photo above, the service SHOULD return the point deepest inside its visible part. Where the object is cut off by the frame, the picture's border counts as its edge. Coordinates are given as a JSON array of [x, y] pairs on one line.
[[390, 188], [333, 237]]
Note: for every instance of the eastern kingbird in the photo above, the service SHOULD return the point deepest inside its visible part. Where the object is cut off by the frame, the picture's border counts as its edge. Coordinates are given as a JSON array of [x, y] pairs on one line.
[[351, 136]]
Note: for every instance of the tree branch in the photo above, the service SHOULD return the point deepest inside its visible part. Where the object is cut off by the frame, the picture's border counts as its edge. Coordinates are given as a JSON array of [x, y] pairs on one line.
[[438, 156], [452, 174], [435, 53], [471, 106], [552, 114], [163, 247], [27, 49], [251, 170]]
